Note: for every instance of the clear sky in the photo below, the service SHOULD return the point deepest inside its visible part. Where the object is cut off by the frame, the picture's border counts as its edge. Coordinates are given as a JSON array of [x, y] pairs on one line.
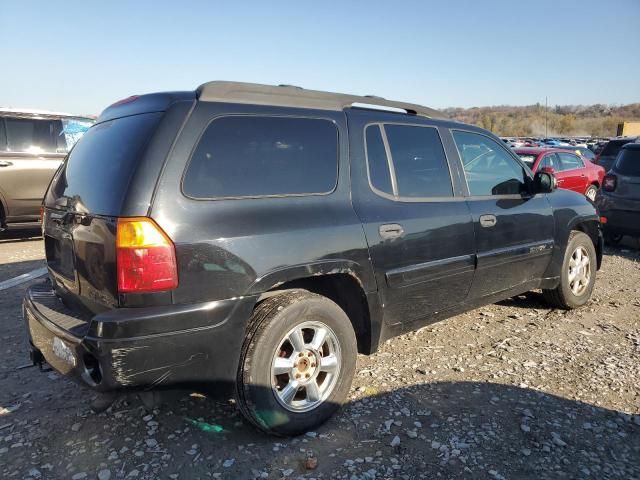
[[81, 56]]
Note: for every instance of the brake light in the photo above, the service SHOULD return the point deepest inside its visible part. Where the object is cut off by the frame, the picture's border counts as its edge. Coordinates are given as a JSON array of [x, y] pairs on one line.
[[145, 257], [609, 183]]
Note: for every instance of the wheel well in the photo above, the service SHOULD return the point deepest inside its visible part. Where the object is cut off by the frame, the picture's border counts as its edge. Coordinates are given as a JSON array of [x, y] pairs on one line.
[[592, 229], [344, 290], [595, 184]]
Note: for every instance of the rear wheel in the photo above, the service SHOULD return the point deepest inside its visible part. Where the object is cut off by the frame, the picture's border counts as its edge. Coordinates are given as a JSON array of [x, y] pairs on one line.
[[297, 363], [613, 239], [578, 274], [591, 192]]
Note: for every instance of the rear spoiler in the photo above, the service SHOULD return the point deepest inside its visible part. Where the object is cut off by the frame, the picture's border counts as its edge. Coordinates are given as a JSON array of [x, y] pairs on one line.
[[153, 102]]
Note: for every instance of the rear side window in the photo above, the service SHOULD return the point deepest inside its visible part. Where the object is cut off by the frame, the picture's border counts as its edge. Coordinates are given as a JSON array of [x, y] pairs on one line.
[[628, 162], [569, 161], [418, 166], [27, 135], [488, 167], [96, 175], [419, 161], [253, 156]]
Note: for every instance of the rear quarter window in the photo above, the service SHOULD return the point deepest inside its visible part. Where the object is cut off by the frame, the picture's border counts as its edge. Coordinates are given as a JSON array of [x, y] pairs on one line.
[[262, 156]]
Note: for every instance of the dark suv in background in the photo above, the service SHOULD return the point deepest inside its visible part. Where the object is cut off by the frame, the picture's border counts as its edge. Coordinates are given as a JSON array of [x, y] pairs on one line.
[[252, 239], [32, 146], [619, 198], [607, 157]]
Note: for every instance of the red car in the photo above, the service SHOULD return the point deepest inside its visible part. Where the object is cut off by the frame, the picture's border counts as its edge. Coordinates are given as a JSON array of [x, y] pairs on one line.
[[572, 171]]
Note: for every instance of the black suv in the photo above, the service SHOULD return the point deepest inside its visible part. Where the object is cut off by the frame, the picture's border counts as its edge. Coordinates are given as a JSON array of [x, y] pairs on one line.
[[253, 239]]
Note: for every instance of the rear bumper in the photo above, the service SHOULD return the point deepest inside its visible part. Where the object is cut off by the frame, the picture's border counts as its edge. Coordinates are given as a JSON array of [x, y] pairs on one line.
[[140, 348], [623, 215]]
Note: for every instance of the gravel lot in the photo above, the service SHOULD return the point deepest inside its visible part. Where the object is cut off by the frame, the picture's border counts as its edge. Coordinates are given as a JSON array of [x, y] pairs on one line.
[[513, 390]]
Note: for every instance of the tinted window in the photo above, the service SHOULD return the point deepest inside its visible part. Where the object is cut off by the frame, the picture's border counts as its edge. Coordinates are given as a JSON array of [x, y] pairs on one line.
[[613, 147], [377, 160], [570, 162], [34, 135], [97, 173], [628, 162], [419, 161], [246, 156], [489, 169]]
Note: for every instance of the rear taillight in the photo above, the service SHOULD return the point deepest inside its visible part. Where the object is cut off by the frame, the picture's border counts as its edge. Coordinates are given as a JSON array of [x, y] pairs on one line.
[[609, 183], [145, 257]]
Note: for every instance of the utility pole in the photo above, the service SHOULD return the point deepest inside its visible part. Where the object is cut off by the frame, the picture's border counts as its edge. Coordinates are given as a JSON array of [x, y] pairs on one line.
[[546, 109]]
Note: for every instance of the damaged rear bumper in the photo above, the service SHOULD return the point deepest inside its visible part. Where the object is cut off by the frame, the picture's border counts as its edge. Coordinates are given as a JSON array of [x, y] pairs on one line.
[[139, 348]]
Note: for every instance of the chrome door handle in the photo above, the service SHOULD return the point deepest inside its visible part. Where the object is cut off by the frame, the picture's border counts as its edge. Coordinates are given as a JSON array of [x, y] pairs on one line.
[[488, 220], [390, 230], [4, 163]]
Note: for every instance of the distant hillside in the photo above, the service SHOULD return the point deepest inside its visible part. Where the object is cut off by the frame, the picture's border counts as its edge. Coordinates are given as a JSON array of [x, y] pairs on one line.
[[595, 120]]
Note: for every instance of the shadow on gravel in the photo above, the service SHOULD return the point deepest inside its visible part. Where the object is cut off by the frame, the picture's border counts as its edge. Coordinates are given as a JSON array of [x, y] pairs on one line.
[[526, 301], [13, 269], [20, 235], [440, 429]]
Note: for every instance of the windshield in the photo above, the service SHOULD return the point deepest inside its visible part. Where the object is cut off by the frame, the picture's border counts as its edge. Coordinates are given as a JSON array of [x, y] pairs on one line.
[[528, 158]]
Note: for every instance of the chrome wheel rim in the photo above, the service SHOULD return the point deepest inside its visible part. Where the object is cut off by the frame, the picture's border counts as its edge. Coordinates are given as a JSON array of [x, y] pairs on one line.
[[591, 194], [305, 366], [579, 271]]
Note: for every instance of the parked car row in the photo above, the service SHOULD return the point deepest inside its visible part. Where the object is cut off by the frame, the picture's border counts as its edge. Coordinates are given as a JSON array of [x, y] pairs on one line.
[[32, 147]]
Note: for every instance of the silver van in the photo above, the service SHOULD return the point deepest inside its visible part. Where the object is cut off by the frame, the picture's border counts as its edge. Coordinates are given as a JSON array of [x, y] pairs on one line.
[[33, 144]]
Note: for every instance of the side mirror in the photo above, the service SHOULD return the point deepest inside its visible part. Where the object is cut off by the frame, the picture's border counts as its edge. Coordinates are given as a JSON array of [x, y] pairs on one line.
[[544, 182], [549, 170]]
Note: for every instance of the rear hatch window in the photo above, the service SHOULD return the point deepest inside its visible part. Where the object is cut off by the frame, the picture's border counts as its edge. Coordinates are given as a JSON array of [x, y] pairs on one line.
[[96, 175], [612, 148], [628, 163]]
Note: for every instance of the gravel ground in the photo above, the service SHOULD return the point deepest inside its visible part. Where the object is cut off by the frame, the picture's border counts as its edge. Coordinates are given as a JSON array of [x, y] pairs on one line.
[[513, 390]]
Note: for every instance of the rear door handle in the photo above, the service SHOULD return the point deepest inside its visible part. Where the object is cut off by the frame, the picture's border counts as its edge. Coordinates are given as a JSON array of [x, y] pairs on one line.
[[4, 163], [390, 230], [488, 220]]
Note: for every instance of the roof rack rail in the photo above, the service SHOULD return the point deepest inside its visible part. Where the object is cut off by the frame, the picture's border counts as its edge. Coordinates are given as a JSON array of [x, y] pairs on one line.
[[290, 96], [384, 108]]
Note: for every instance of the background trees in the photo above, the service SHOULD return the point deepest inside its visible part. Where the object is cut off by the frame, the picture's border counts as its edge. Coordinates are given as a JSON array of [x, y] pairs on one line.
[[529, 120]]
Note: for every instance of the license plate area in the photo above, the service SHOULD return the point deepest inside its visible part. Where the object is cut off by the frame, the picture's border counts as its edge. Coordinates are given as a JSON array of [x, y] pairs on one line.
[[59, 252]]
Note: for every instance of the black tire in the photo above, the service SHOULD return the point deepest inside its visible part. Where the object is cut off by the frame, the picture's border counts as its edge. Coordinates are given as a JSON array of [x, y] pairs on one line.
[[562, 296], [613, 239], [591, 190], [272, 319]]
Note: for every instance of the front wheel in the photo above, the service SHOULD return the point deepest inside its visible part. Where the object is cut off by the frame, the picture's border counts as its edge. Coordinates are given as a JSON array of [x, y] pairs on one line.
[[578, 275], [297, 363]]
